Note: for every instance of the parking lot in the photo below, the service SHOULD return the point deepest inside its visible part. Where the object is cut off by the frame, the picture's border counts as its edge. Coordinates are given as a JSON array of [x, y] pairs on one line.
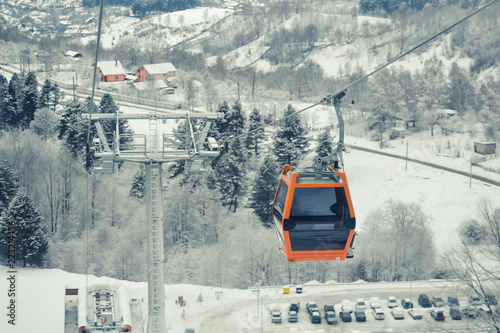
[[257, 317]]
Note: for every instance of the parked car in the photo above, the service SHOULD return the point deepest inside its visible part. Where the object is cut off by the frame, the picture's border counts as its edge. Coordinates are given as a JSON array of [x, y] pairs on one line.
[[274, 307], [491, 299], [310, 306], [294, 307], [406, 303], [455, 313], [360, 315], [453, 301], [327, 307], [416, 313], [398, 313], [347, 306], [484, 309], [474, 300], [438, 315], [375, 303], [437, 302], [360, 304], [293, 317], [424, 301], [315, 317], [276, 317], [345, 316], [392, 302], [330, 317], [378, 314], [470, 311]]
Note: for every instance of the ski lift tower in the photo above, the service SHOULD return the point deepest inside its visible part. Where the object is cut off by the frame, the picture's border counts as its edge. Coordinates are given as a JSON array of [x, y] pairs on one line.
[[152, 149]]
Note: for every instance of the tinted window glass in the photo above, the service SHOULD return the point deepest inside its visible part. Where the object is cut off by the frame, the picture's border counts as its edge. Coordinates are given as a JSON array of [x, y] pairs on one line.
[[313, 201], [279, 202], [319, 201]]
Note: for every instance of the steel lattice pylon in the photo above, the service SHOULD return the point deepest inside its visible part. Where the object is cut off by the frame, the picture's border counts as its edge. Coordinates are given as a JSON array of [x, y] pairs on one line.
[[152, 157]]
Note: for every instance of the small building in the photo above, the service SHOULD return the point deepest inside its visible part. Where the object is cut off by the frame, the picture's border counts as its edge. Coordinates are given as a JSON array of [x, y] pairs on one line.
[[399, 131], [73, 54], [111, 71], [484, 148], [153, 72]]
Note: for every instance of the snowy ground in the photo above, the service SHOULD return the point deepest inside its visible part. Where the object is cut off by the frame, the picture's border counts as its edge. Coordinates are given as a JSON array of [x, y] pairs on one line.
[[226, 310]]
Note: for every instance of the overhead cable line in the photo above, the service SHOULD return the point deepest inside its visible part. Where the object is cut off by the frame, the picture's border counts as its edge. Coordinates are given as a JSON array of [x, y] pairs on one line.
[[378, 69], [87, 147]]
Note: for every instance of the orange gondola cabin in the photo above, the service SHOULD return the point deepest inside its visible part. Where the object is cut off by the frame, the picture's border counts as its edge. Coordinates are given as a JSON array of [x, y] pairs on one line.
[[313, 215]]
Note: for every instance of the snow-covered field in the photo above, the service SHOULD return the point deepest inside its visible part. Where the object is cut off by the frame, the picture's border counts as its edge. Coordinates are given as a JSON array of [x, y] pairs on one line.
[[40, 304]]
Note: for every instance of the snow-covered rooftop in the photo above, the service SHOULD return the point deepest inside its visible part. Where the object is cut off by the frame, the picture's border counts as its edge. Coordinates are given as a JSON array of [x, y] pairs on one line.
[[160, 68], [111, 67]]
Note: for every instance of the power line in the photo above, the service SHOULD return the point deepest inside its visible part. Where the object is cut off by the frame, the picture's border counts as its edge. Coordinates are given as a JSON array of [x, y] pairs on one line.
[[378, 69]]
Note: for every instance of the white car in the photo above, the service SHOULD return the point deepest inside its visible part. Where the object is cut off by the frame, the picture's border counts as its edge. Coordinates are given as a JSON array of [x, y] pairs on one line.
[[392, 302], [398, 313], [347, 306], [375, 303], [360, 304], [378, 314]]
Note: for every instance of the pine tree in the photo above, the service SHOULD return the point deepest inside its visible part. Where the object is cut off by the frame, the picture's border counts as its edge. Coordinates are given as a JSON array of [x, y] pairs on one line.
[[221, 124], [7, 108], [255, 131], [43, 101], [15, 85], [31, 243], [28, 100], [73, 128], [109, 125], [138, 189], [290, 141], [8, 184], [235, 120], [264, 189], [230, 175], [325, 145], [3, 80]]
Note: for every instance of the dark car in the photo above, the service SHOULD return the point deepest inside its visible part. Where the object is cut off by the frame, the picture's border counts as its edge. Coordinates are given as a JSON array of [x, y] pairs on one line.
[[470, 312], [407, 303], [424, 301], [315, 317], [455, 313], [329, 308], [360, 315], [330, 317], [294, 307], [453, 301], [491, 299], [437, 302], [345, 316], [437, 315]]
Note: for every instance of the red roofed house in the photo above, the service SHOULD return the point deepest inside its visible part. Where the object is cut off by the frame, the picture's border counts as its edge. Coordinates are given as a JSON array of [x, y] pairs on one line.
[[155, 72], [111, 71]]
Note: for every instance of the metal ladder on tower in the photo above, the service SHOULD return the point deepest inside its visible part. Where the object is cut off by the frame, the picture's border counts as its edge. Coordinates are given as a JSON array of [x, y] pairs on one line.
[[153, 133], [155, 224]]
